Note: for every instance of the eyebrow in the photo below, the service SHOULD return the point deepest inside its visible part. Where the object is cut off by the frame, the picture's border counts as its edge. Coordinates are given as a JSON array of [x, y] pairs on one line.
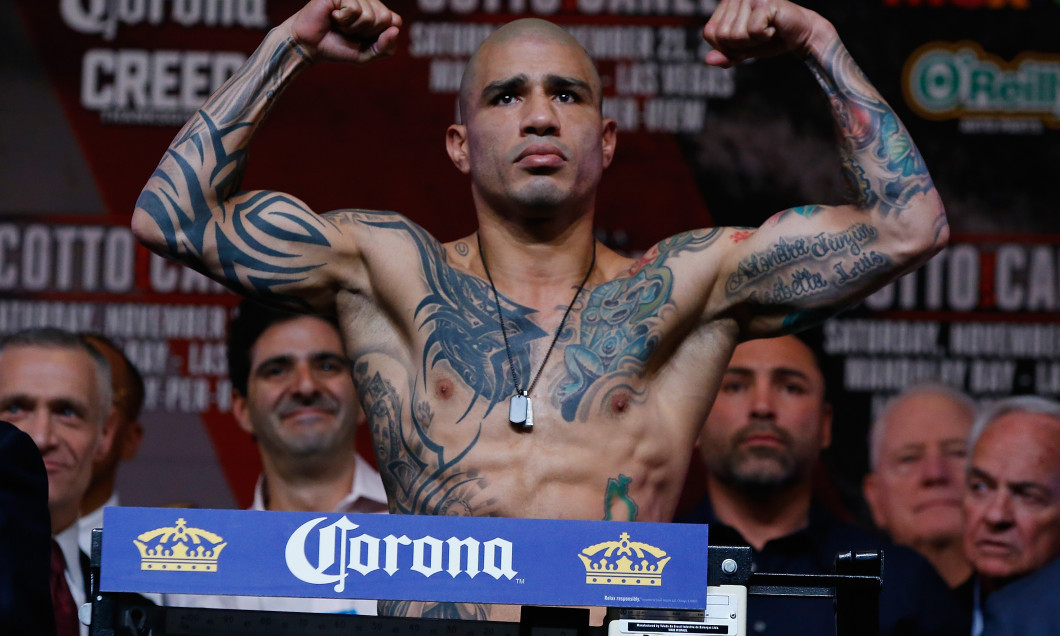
[[77, 406], [280, 359], [944, 444], [780, 371], [557, 82], [1017, 487], [316, 356], [509, 85]]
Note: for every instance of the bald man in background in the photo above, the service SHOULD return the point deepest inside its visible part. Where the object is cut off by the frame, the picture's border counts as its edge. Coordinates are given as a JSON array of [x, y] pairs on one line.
[[918, 453], [1012, 508]]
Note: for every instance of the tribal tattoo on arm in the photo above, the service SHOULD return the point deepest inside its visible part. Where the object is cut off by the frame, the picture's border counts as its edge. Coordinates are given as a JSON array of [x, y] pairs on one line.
[[264, 243]]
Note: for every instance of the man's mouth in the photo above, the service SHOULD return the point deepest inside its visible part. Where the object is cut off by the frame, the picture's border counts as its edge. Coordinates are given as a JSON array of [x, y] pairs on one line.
[[994, 548], [301, 414], [762, 439], [55, 465], [541, 155]]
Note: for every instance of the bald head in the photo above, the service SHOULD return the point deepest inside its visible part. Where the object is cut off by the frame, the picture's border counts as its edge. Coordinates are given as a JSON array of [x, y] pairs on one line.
[[519, 30]]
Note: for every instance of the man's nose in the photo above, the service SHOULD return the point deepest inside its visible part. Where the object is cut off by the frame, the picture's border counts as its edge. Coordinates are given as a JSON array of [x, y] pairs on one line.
[[305, 382], [762, 400], [539, 115], [998, 511], [41, 428], [935, 470]]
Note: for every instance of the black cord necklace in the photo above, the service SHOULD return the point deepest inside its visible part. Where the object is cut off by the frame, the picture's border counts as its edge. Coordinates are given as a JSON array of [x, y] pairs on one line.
[[520, 409]]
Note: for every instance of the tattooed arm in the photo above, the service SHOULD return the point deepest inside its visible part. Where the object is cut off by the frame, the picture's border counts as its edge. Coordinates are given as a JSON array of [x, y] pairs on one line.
[[808, 262], [263, 243]]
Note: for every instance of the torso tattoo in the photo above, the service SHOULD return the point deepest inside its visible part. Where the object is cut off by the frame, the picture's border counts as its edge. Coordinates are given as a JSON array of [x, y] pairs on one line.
[[607, 344]]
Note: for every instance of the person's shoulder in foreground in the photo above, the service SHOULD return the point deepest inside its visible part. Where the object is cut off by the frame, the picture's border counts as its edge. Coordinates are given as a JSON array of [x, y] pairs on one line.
[[1027, 607], [25, 532]]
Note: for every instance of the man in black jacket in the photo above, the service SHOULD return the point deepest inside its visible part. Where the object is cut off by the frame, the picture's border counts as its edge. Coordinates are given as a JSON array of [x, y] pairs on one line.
[[765, 432], [25, 531]]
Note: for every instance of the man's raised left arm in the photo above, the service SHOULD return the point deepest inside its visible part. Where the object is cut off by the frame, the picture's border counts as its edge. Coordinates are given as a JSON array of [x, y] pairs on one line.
[[806, 263]]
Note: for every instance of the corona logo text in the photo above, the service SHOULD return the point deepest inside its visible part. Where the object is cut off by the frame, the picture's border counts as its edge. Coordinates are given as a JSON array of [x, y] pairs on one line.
[[103, 17], [338, 553]]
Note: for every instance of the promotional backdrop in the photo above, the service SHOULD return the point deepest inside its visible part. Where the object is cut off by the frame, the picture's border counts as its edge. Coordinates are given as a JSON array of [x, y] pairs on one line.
[[95, 90]]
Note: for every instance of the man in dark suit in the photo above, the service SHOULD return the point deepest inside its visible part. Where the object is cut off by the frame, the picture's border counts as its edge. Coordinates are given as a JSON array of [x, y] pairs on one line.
[[25, 533], [56, 388], [1012, 507], [1026, 607]]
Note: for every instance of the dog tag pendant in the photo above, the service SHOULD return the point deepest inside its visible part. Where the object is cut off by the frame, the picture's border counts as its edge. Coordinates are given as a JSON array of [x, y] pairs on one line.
[[529, 414], [519, 411]]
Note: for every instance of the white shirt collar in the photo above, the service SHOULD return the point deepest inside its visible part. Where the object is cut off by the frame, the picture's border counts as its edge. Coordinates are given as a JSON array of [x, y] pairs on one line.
[[366, 492], [91, 520]]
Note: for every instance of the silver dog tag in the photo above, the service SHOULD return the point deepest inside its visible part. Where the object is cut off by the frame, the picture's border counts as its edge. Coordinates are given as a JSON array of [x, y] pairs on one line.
[[518, 409]]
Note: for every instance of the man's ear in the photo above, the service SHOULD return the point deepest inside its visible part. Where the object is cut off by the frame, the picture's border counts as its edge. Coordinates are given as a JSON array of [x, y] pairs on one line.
[[130, 439], [456, 146], [609, 138], [110, 427], [826, 425], [241, 412]]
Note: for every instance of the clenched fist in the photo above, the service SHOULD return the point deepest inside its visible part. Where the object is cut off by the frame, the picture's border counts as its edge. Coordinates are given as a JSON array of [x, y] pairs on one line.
[[745, 29], [345, 30]]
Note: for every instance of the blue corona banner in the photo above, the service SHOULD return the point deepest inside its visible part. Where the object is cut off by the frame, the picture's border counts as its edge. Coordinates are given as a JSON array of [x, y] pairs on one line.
[[400, 557]]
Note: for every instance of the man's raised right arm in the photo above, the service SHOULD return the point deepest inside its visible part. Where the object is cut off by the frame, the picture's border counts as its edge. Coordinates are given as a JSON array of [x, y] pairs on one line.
[[261, 243]]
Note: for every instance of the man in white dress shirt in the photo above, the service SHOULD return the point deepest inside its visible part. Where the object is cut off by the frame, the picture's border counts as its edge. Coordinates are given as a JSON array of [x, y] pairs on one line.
[[56, 388], [292, 390]]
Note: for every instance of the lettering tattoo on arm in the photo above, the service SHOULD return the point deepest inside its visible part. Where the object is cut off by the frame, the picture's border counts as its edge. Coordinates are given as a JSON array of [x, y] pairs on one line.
[[816, 268], [803, 279]]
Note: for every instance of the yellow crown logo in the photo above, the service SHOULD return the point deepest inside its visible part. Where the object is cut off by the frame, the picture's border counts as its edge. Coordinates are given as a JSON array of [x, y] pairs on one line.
[[612, 563], [180, 555]]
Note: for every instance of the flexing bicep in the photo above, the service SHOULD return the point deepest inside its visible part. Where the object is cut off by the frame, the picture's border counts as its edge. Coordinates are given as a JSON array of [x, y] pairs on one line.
[[807, 263], [262, 243]]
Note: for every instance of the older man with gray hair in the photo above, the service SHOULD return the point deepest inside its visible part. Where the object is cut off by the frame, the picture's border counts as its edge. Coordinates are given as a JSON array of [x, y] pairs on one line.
[[56, 388], [918, 453], [1012, 507]]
